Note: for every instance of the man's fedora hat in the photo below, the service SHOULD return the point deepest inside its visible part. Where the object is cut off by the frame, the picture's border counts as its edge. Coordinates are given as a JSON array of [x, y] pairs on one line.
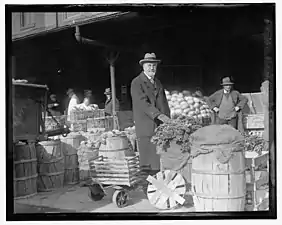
[[149, 58], [226, 81], [107, 91]]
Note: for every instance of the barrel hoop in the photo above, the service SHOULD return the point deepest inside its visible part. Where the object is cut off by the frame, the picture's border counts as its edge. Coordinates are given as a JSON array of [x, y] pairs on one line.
[[51, 174], [217, 172], [72, 168], [201, 195], [51, 161], [25, 161], [116, 150], [26, 178]]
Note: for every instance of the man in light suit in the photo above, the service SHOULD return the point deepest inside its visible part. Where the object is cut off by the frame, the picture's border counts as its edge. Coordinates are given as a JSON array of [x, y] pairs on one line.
[[150, 108]]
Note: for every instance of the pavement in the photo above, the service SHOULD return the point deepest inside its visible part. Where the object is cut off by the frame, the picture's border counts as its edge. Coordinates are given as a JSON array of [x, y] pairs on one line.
[[75, 199]]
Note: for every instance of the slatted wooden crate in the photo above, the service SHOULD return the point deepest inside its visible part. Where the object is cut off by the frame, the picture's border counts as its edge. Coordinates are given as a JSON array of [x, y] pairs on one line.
[[79, 126], [115, 172], [101, 122], [50, 123], [86, 114], [256, 177], [253, 121]]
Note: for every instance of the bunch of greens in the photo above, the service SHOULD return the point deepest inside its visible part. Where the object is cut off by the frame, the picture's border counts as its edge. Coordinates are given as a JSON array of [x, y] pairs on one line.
[[178, 130], [254, 143]]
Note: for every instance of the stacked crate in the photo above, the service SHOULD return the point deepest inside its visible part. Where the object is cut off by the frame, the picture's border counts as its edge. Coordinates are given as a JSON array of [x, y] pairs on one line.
[[253, 116], [90, 120]]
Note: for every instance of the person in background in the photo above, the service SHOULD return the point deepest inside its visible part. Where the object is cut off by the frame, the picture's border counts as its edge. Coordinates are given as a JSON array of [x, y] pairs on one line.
[[72, 102], [227, 104], [150, 109], [53, 106], [88, 94], [109, 103]]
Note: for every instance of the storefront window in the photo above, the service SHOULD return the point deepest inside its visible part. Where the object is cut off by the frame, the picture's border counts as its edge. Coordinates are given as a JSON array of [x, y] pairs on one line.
[[26, 20]]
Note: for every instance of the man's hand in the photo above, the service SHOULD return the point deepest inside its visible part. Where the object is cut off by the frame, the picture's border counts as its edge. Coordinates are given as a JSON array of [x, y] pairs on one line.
[[163, 118], [216, 109], [237, 108]]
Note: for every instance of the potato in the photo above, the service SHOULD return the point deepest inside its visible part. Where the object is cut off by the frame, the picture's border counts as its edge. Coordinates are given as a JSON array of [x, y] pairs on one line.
[[180, 95]]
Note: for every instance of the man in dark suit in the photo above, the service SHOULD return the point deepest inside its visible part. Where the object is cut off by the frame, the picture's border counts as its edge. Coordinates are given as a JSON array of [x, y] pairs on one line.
[[150, 108], [227, 104]]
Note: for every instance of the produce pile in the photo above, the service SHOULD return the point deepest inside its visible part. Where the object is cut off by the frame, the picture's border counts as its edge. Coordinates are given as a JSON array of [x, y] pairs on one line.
[[114, 133], [254, 143], [131, 135], [182, 103], [178, 130]]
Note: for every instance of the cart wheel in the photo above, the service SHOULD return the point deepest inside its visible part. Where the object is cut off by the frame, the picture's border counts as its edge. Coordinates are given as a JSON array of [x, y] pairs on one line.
[[95, 192], [120, 198]]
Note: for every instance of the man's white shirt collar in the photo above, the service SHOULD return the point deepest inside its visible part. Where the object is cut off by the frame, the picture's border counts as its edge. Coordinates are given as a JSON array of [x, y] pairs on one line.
[[150, 78], [225, 92]]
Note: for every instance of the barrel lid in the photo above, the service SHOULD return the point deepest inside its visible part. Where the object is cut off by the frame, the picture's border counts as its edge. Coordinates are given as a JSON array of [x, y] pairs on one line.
[[216, 135]]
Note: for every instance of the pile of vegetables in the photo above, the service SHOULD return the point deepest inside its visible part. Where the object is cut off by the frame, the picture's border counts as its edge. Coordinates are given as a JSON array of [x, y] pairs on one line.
[[254, 143], [114, 133], [178, 130], [182, 103], [89, 144]]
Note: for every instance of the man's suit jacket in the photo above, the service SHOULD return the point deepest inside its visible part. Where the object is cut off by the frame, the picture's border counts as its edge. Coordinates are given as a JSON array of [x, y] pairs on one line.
[[148, 101]]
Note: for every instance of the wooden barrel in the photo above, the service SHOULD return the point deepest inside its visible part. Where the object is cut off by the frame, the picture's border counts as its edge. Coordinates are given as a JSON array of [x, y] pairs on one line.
[[173, 159], [70, 145], [217, 186], [116, 147], [50, 165], [25, 170]]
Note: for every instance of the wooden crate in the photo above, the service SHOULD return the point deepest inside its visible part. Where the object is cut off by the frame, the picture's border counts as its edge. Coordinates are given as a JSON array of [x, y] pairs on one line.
[[255, 132], [253, 121], [86, 114], [50, 123], [256, 198], [79, 126], [101, 122], [115, 172]]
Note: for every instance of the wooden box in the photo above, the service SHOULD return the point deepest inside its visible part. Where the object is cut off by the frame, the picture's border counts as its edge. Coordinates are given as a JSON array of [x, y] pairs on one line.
[[253, 121], [115, 172]]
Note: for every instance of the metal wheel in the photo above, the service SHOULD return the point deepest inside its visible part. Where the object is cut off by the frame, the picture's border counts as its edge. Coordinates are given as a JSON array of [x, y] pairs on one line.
[[95, 192], [120, 198]]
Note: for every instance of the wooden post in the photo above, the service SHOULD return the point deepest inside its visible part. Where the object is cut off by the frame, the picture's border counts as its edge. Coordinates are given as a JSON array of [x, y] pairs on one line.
[[112, 58]]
